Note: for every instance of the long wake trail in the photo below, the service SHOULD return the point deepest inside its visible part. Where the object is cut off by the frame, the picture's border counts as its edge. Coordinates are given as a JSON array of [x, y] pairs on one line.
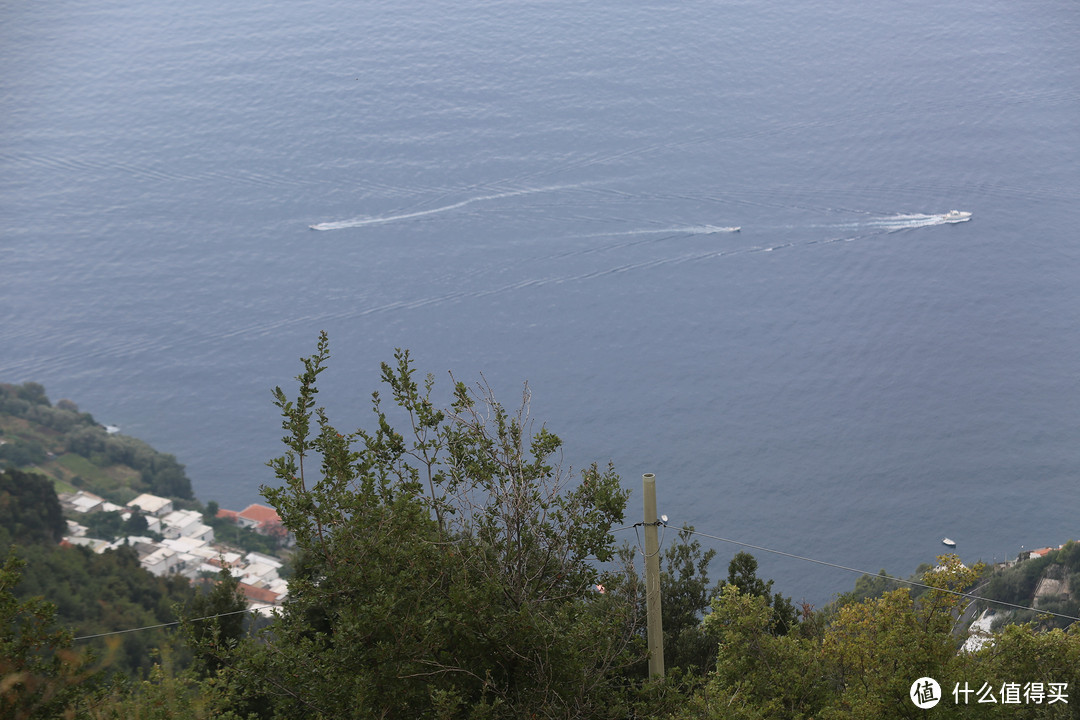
[[384, 219], [876, 226]]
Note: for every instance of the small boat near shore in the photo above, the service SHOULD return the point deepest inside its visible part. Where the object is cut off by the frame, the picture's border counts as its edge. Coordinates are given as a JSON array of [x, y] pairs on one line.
[[947, 542], [955, 216]]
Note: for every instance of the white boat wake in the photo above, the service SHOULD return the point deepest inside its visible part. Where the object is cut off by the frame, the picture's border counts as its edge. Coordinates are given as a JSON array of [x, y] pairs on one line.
[[711, 229], [384, 219], [683, 230], [917, 220]]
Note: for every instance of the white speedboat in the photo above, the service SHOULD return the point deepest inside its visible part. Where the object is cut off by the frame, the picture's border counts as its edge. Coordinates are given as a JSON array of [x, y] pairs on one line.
[[947, 541], [955, 216]]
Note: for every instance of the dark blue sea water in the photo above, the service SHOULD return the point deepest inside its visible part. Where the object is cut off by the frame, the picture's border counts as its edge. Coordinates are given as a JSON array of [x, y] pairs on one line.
[[543, 191]]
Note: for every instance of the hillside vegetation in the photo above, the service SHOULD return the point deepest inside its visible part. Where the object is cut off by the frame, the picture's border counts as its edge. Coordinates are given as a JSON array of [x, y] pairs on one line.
[[1050, 583], [88, 593], [77, 452]]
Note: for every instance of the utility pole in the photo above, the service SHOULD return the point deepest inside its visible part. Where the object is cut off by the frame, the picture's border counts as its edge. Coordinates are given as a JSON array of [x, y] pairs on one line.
[[652, 580]]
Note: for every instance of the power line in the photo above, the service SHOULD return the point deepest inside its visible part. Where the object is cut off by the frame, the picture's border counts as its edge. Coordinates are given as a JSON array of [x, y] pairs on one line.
[[693, 532], [169, 624], [863, 572]]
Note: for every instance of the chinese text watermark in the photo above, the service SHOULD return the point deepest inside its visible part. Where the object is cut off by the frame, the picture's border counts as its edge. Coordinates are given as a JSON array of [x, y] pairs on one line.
[[926, 692]]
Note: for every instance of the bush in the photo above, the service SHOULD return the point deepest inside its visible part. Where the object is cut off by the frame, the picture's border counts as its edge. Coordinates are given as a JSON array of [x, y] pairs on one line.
[[21, 453]]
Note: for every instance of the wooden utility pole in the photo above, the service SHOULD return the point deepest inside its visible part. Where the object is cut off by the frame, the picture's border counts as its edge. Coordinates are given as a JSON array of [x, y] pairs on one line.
[[652, 580]]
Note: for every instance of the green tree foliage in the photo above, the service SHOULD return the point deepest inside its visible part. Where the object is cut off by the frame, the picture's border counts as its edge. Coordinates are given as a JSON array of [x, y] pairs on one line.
[[21, 453], [760, 673], [87, 441], [112, 525], [869, 586], [168, 693], [90, 593], [690, 647], [227, 532], [742, 573], [30, 402], [40, 676], [43, 678], [214, 622], [861, 666], [161, 473], [29, 510], [1022, 654], [33, 393], [67, 430], [877, 648], [1017, 585], [445, 572], [101, 593], [685, 595]]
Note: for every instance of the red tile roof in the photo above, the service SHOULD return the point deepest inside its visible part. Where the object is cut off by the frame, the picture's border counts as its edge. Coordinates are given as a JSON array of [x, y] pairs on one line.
[[260, 514], [258, 594]]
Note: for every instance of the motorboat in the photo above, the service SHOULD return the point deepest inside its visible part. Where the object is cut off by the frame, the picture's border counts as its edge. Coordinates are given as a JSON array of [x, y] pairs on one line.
[[955, 216], [947, 541]]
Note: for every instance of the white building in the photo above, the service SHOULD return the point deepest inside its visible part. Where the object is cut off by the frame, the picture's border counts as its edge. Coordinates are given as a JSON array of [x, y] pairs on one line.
[[186, 523], [257, 557], [98, 546], [184, 545], [152, 504], [162, 561], [84, 502]]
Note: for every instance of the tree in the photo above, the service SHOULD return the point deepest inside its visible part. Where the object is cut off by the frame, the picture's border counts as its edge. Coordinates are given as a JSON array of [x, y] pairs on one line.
[[1021, 655], [168, 693], [214, 622], [40, 676], [445, 571], [685, 595], [877, 648], [21, 453], [33, 393], [742, 573], [865, 661], [29, 509], [95, 593], [68, 405], [759, 673]]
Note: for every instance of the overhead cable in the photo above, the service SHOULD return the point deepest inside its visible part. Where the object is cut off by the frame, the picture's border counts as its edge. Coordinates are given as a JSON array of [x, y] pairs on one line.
[[899, 580], [169, 624]]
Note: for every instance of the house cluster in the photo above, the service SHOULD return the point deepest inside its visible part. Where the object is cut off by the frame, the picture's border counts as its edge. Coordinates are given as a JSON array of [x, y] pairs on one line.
[[187, 543], [1035, 554]]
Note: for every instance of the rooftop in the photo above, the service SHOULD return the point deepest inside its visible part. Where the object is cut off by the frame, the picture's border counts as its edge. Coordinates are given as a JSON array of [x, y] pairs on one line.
[[258, 594], [260, 514], [149, 503]]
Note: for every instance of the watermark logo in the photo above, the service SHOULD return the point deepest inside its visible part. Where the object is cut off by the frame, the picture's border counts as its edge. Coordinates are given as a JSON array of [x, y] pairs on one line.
[[925, 693]]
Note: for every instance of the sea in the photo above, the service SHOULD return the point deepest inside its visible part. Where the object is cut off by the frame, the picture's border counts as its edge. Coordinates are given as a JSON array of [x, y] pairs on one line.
[[710, 236]]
